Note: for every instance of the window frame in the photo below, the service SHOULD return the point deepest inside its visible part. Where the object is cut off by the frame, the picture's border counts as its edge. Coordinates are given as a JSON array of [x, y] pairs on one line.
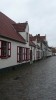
[[7, 55], [25, 56]]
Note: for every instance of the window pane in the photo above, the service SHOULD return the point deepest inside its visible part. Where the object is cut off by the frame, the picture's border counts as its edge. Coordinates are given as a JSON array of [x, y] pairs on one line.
[[20, 54], [4, 49], [9, 49], [9, 45], [0, 52], [18, 49], [0, 44], [9, 52], [23, 56], [23, 50], [18, 57]]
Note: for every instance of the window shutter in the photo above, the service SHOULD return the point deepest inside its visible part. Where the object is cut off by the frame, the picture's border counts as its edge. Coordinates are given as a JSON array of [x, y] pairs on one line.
[[29, 54], [9, 49], [17, 54], [23, 53], [0, 48], [26, 54]]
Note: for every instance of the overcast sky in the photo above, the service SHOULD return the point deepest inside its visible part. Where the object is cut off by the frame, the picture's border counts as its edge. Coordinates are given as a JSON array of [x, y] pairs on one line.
[[40, 14]]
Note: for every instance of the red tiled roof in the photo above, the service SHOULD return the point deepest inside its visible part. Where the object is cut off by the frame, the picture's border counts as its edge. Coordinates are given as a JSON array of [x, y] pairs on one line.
[[40, 38], [32, 44], [32, 38], [20, 27], [7, 30]]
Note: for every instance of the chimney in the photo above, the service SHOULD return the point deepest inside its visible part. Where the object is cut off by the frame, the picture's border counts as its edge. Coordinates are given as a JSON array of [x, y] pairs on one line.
[[38, 35], [38, 38], [27, 22]]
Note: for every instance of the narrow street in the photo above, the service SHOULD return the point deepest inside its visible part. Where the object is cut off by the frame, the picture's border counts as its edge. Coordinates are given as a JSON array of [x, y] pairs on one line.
[[33, 82]]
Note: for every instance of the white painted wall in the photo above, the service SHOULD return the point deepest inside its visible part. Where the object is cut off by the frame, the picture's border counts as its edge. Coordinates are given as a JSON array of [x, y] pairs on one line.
[[33, 52], [44, 50], [13, 59], [24, 34], [49, 52], [37, 50]]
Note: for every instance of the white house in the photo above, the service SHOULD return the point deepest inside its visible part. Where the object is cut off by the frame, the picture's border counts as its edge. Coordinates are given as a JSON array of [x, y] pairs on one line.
[[42, 42], [17, 46], [37, 47], [49, 52], [14, 44], [32, 50]]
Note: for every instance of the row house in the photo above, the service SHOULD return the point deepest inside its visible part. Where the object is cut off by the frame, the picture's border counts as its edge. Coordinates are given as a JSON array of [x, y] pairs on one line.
[[14, 42], [53, 50], [41, 46], [37, 47], [17, 46], [41, 40], [32, 51], [49, 51]]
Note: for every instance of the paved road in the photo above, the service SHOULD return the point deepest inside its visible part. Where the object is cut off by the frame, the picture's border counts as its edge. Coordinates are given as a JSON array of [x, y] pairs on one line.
[[34, 82]]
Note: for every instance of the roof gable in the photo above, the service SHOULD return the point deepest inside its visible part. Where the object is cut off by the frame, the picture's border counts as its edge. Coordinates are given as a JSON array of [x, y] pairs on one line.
[[32, 44], [20, 27], [7, 30], [32, 38], [41, 38]]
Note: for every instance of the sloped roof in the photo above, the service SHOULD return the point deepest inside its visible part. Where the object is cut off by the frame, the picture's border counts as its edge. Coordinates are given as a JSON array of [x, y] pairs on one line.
[[7, 30], [32, 38], [20, 27], [41, 38], [31, 43]]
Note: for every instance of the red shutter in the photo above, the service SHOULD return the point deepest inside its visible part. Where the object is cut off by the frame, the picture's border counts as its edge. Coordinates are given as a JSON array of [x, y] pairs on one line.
[[17, 54], [29, 54], [0, 48], [9, 49], [23, 54]]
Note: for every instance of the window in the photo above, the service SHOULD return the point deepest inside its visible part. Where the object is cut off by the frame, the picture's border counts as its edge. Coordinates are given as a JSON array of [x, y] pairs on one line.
[[19, 54], [27, 54], [30, 54], [0, 49], [5, 49], [23, 54]]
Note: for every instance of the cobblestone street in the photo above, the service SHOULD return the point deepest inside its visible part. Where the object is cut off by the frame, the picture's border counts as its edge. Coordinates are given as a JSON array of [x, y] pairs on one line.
[[33, 82]]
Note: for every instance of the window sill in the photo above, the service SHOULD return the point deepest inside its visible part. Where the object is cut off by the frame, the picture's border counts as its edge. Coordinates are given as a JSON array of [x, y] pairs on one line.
[[5, 57]]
